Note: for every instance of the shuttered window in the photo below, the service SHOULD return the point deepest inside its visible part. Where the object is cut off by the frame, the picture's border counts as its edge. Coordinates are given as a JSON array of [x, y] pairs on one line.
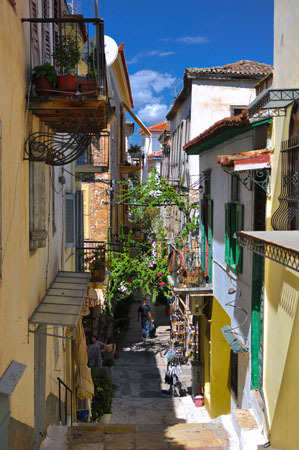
[[206, 228], [234, 221], [70, 220]]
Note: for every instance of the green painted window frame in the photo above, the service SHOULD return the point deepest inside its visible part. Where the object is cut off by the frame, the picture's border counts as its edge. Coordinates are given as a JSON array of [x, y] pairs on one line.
[[234, 221]]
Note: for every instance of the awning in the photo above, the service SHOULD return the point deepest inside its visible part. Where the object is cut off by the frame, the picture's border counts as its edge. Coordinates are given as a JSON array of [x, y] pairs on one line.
[[62, 304], [136, 118], [279, 246], [273, 99], [252, 160]]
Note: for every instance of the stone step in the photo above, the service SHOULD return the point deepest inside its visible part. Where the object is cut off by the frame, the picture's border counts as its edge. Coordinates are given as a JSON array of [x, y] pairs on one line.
[[183, 436], [249, 432]]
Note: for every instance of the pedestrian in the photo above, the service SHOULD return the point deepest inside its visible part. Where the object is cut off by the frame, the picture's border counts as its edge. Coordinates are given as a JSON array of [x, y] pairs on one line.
[[146, 318], [108, 359], [94, 352]]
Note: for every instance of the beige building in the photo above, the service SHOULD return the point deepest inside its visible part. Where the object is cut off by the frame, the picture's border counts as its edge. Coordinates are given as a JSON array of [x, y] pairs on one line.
[[41, 135]]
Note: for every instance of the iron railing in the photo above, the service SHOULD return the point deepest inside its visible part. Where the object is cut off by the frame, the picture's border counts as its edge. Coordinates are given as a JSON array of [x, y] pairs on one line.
[[47, 35], [67, 389], [286, 217]]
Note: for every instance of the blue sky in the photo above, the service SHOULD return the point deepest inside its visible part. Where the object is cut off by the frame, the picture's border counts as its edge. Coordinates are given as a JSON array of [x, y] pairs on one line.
[[163, 37]]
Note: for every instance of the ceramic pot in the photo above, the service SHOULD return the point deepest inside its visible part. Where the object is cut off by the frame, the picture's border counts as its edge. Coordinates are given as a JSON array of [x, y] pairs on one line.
[[41, 84], [67, 84], [105, 418]]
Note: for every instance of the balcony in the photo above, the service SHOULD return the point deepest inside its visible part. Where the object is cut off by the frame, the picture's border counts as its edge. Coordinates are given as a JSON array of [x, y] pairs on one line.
[[187, 277], [73, 112], [286, 217], [96, 157]]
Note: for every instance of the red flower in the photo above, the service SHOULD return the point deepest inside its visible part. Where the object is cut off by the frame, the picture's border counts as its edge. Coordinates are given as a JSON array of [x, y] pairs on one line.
[[159, 274], [162, 283], [129, 280]]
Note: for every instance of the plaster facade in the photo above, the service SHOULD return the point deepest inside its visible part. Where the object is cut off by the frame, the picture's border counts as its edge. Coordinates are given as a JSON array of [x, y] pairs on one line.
[[26, 274], [281, 364]]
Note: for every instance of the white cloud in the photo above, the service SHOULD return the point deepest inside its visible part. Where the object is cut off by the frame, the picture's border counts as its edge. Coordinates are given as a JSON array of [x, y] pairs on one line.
[[159, 53], [188, 39], [147, 90], [146, 84], [154, 113]]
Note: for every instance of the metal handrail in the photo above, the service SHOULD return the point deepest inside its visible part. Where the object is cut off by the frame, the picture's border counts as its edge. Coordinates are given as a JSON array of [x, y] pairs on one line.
[[60, 382]]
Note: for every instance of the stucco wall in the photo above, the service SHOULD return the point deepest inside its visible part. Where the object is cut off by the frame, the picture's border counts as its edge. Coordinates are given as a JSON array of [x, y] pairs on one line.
[[281, 363], [25, 274]]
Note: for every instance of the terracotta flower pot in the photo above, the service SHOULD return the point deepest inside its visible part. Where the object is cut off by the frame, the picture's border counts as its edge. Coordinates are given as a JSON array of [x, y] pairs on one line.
[[41, 86], [88, 87], [98, 275], [67, 84]]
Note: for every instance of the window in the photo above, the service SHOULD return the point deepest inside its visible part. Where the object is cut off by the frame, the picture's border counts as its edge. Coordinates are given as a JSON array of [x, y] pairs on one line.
[[206, 230], [234, 221], [70, 220], [236, 110]]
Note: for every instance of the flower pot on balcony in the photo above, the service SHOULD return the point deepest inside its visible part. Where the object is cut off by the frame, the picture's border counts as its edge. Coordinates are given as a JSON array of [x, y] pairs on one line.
[[42, 85], [88, 87], [98, 275], [105, 418], [67, 84]]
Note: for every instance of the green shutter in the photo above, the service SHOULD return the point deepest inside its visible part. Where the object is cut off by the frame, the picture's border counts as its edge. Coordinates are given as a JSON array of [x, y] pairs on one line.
[[227, 232], [203, 234], [210, 239], [239, 227], [233, 240]]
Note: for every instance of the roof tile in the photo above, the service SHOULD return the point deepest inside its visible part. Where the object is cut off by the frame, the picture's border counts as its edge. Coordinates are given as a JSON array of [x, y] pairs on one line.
[[243, 68]]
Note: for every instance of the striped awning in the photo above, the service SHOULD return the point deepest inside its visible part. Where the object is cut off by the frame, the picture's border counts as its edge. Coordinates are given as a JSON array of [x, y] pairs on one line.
[[61, 306]]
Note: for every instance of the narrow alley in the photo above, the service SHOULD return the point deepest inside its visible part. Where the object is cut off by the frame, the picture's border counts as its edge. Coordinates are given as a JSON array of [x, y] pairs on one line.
[[141, 417]]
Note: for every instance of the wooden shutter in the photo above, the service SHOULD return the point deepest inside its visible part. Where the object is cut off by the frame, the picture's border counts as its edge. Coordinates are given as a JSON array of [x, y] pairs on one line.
[[70, 220], [210, 239], [34, 34], [232, 239], [203, 234], [239, 227], [227, 232]]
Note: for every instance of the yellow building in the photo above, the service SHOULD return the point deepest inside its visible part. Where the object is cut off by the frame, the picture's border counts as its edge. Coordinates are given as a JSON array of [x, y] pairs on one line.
[[279, 243], [39, 207]]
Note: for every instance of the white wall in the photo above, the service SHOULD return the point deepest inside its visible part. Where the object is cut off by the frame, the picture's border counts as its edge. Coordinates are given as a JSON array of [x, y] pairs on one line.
[[223, 278], [211, 101]]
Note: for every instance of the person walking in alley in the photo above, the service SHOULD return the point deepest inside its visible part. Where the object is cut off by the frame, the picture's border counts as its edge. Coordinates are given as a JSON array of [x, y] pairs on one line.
[[94, 352], [108, 360], [146, 318]]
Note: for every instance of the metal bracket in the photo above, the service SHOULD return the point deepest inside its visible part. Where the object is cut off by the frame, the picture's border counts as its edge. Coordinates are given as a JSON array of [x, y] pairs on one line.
[[33, 330], [259, 177]]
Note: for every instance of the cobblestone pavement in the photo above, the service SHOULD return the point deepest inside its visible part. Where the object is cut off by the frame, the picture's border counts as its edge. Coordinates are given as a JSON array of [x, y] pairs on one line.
[[141, 417]]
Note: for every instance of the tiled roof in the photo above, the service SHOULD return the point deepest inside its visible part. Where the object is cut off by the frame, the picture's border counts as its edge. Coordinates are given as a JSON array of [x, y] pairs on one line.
[[240, 120], [244, 157], [155, 154], [243, 68], [161, 126]]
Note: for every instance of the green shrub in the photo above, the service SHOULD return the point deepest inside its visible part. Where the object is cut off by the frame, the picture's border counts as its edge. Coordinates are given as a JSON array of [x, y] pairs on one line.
[[103, 393]]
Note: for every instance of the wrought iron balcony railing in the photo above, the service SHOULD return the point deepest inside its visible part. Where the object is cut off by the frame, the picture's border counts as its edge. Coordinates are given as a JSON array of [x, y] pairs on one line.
[[286, 217]]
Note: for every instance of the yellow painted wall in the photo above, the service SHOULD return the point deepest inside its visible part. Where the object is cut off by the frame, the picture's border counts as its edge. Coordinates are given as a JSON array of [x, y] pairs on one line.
[[25, 274], [218, 400], [281, 315]]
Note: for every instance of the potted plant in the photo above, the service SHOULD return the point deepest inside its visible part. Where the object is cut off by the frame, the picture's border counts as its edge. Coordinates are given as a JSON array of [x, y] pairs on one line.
[[44, 77], [96, 263], [89, 85], [67, 55], [101, 406]]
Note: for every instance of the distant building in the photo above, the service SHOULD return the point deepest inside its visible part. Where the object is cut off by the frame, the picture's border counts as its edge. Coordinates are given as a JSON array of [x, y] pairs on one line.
[[151, 148]]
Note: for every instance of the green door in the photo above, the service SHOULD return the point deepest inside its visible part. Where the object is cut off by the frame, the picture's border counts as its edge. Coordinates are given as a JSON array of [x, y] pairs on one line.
[[257, 322]]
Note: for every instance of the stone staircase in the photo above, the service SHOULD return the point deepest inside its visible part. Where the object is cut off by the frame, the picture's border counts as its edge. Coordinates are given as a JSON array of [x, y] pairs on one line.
[[183, 436]]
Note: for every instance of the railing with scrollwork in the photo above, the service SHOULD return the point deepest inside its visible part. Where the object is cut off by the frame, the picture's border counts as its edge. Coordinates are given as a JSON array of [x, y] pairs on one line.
[[286, 217]]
